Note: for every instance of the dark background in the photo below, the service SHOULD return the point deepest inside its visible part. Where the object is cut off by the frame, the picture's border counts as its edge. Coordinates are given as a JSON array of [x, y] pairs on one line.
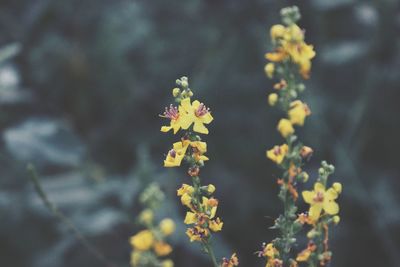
[[81, 101]]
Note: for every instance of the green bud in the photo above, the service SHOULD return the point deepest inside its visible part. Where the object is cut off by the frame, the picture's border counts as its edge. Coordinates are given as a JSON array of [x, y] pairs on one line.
[[293, 93], [176, 91], [321, 171], [301, 87], [184, 84]]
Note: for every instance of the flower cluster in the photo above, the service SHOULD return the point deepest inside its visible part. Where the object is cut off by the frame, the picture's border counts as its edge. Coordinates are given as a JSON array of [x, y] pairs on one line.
[[191, 117], [149, 245], [290, 62]]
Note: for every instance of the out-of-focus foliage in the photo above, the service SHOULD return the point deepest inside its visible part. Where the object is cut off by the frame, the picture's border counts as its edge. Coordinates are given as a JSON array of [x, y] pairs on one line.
[[87, 86]]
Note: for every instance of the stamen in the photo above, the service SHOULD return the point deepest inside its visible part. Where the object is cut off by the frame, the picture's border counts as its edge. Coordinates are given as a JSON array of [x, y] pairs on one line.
[[172, 153], [171, 113], [202, 110], [319, 197]]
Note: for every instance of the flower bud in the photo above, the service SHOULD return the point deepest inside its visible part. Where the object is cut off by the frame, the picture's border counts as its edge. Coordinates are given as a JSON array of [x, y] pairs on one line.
[[321, 171], [184, 84], [210, 188], [305, 176], [337, 187], [176, 91], [336, 219], [269, 70], [167, 226], [277, 31], [146, 216], [272, 99]]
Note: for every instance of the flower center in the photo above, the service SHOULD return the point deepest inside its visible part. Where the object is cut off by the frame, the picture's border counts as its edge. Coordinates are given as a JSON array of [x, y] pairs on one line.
[[319, 197], [201, 110], [171, 112], [277, 150], [172, 153]]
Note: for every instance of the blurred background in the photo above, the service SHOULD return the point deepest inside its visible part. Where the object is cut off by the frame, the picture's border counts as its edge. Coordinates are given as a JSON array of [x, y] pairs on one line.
[[81, 87]]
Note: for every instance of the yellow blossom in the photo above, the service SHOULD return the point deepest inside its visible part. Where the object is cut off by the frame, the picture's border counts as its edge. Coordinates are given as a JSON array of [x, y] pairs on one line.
[[321, 200], [298, 112], [272, 99], [162, 248], [185, 189], [293, 33], [285, 127], [270, 251], [167, 226], [216, 225], [177, 118], [143, 240], [196, 113], [277, 31], [301, 54], [199, 148], [146, 216], [277, 153], [167, 263], [176, 154], [197, 233], [269, 70]]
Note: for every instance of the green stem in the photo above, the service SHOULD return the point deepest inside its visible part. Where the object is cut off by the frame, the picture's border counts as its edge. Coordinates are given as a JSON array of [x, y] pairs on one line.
[[53, 208], [210, 252]]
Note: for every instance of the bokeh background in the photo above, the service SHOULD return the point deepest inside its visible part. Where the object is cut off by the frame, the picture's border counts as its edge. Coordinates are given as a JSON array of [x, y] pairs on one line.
[[81, 87]]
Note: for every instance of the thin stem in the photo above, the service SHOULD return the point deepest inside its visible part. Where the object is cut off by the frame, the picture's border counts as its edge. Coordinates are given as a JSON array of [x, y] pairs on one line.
[[56, 212], [210, 252]]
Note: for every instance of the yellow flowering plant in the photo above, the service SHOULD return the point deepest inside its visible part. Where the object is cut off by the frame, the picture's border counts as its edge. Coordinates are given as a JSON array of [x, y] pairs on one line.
[[149, 246], [289, 63], [191, 117]]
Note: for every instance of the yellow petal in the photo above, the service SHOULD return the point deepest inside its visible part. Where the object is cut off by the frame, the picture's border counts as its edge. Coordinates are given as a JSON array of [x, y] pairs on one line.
[[308, 196], [207, 118], [315, 211], [200, 128], [165, 128], [185, 103], [331, 207], [319, 187], [190, 218], [331, 194]]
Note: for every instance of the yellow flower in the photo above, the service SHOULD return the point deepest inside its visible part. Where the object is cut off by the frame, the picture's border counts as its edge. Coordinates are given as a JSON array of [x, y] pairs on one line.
[[321, 200], [146, 216], [269, 70], [197, 233], [162, 248], [135, 258], [285, 127], [277, 153], [304, 255], [196, 113], [301, 54], [176, 154], [167, 263], [167, 226], [143, 240], [190, 218], [199, 148], [216, 225], [277, 31], [298, 112], [185, 189], [272, 99], [177, 117]]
